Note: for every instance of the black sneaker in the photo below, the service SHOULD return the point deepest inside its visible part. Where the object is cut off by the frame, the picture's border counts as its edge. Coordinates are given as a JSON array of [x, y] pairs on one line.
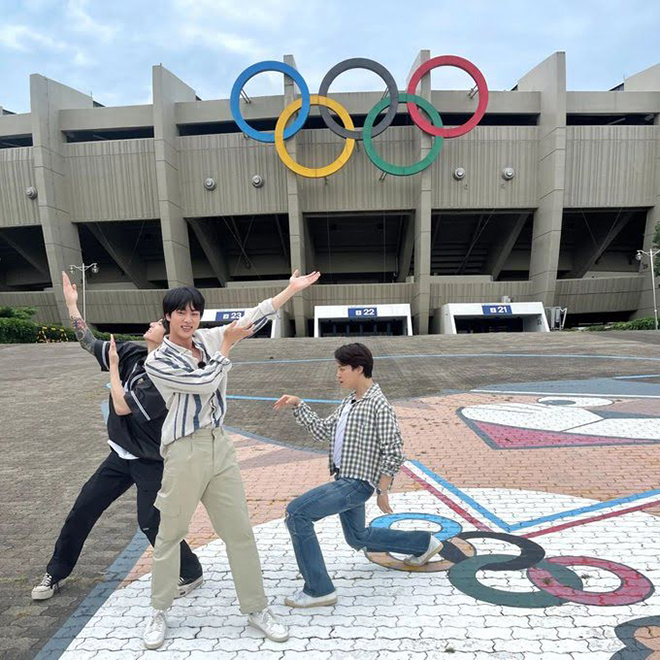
[[46, 588], [186, 585]]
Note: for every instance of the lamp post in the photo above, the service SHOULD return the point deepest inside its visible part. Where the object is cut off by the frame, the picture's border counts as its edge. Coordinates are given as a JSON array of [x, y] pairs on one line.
[[651, 254], [83, 269]]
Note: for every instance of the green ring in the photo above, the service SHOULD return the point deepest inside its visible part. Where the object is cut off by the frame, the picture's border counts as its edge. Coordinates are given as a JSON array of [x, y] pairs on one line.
[[402, 170]]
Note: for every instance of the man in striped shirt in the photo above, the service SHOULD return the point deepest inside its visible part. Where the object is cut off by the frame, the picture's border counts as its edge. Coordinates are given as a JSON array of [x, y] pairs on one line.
[[365, 451], [190, 371], [135, 419]]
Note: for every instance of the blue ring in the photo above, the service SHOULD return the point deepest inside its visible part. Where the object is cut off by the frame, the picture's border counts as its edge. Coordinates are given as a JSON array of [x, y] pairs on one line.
[[449, 528], [250, 72]]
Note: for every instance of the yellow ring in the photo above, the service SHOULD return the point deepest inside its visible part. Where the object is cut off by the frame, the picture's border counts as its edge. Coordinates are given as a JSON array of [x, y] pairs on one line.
[[313, 172]]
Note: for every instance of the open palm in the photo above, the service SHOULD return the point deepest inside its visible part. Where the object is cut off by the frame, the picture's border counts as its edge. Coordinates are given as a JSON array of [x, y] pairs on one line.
[[299, 282]]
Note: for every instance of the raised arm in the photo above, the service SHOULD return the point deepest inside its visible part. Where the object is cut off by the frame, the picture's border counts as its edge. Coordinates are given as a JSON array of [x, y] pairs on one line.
[[116, 388], [297, 283], [83, 333]]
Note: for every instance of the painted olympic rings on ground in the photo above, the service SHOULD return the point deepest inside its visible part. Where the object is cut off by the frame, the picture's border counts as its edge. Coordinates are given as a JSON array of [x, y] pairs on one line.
[[555, 581], [371, 129]]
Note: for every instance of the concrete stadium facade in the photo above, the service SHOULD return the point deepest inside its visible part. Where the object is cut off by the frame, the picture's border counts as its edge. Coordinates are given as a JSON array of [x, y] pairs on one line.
[[125, 187]]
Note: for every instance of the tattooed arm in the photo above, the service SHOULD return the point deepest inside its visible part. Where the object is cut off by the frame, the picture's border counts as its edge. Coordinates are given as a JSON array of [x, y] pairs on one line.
[[83, 333]]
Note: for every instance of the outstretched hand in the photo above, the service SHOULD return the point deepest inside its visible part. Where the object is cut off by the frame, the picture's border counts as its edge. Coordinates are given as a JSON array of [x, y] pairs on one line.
[[285, 401], [112, 352], [235, 333], [70, 291], [299, 282]]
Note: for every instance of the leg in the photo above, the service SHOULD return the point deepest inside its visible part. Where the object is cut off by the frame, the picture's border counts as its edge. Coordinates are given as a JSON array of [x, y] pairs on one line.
[[381, 539], [224, 500], [184, 479], [148, 477], [110, 481], [301, 514]]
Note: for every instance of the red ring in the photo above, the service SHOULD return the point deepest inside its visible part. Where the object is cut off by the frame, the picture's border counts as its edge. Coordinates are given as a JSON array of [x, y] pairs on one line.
[[634, 586], [469, 68]]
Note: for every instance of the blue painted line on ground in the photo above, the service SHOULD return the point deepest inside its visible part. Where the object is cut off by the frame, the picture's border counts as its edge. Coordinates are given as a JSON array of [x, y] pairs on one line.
[[536, 521], [463, 496], [276, 398], [590, 387], [570, 356], [115, 575]]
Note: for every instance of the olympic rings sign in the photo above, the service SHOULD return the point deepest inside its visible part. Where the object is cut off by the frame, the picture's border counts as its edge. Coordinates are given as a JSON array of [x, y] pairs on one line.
[[371, 128], [555, 581]]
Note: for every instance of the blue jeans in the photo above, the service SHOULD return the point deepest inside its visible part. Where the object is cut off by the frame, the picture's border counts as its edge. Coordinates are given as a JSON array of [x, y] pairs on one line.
[[347, 498]]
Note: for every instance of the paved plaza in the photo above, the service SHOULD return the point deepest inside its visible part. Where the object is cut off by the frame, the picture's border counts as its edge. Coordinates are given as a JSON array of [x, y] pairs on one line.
[[535, 461]]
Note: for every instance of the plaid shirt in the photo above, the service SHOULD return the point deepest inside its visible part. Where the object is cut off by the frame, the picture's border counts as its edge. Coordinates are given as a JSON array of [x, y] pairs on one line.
[[372, 441]]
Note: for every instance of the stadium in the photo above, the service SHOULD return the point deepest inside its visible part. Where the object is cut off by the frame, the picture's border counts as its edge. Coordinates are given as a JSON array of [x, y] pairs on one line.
[[545, 201]]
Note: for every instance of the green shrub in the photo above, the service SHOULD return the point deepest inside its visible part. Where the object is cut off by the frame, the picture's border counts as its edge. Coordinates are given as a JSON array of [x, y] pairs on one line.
[[17, 331], [24, 313], [647, 323]]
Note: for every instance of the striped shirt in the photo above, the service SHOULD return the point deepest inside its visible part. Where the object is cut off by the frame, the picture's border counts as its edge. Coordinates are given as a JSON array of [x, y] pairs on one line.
[[195, 395]]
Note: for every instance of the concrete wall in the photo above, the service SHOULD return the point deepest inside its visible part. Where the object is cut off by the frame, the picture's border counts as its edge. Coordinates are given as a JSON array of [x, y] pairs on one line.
[[558, 166]]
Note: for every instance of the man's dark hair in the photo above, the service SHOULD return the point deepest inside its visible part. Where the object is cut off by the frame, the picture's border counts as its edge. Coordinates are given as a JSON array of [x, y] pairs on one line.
[[180, 298], [356, 355]]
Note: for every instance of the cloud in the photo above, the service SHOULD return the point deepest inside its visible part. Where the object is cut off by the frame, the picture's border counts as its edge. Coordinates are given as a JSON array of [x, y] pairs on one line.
[[214, 39], [25, 39], [80, 21]]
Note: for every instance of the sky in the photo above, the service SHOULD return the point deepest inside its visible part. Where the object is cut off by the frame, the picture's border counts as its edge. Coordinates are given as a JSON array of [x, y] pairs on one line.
[[108, 48]]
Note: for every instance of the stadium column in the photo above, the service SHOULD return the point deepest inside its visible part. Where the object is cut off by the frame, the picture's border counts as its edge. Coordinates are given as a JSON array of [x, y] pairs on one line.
[[549, 79], [61, 238], [297, 234], [168, 90], [422, 291], [649, 81]]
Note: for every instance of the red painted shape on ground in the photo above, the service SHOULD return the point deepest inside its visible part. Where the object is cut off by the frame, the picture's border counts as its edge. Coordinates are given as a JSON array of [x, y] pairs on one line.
[[634, 586], [512, 437], [451, 504]]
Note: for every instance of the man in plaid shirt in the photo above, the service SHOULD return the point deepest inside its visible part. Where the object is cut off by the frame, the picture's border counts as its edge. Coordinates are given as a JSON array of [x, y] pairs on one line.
[[365, 452]]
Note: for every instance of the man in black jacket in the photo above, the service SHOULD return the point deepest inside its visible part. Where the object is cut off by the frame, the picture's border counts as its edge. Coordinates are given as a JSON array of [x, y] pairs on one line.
[[135, 420]]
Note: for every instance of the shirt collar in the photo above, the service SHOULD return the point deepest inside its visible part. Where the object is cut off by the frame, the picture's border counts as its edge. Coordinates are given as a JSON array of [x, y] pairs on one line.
[[371, 392], [180, 349]]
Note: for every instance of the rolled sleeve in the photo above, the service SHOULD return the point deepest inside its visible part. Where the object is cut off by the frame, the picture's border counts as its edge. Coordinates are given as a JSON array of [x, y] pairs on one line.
[[390, 441]]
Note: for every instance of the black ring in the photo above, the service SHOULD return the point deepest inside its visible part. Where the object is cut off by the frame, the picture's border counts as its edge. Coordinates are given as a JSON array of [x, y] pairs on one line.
[[369, 65], [530, 553]]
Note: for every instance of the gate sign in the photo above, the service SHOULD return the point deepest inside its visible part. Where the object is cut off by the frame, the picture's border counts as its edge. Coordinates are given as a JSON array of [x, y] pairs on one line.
[[362, 312], [496, 310], [233, 315]]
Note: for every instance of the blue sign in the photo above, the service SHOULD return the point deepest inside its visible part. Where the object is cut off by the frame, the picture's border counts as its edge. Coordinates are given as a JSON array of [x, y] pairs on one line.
[[496, 310], [362, 312], [234, 315]]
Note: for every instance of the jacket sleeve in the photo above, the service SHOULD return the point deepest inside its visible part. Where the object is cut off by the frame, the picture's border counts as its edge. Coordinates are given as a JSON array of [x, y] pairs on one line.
[[145, 402], [389, 441], [168, 375], [259, 315], [321, 429]]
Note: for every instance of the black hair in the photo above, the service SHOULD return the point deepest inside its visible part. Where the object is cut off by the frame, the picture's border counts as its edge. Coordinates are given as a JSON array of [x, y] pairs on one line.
[[180, 298], [356, 355]]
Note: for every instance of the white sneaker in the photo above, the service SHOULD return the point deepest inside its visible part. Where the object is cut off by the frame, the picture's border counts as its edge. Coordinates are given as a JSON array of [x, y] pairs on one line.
[[47, 588], [269, 625], [301, 599], [154, 634], [434, 548]]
